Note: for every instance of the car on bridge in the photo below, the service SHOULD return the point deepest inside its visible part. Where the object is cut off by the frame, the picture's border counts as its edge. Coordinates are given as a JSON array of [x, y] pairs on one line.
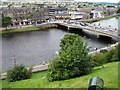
[[83, 24]]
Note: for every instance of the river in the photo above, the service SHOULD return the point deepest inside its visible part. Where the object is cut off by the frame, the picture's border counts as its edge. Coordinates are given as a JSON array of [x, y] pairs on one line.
[[36, 47], [113, 22]]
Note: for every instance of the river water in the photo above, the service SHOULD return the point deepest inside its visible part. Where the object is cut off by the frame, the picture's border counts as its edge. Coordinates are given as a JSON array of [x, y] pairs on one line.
[[36, 47], [113, 23]]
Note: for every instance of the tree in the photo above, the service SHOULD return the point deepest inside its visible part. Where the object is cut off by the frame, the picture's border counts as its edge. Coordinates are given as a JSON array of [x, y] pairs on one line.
[[73, 60], [6, 21], [79, 6], [102, 58], [116, 54], [110, 6], [118, 11]]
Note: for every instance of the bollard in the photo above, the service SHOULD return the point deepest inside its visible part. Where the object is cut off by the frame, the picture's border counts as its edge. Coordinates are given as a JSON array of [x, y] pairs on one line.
[[96, 83]]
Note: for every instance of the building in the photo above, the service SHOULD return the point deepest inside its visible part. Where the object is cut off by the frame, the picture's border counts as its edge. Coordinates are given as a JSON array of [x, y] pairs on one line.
[[58, 12], [97, 14], [26, 15]]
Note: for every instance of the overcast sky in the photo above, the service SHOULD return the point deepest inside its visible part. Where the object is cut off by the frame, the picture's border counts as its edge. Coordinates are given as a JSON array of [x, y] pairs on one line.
[[115, 1]]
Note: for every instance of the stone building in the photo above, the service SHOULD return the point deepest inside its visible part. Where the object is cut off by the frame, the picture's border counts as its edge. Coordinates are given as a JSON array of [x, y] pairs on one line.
[[58, 13], [26, 15]]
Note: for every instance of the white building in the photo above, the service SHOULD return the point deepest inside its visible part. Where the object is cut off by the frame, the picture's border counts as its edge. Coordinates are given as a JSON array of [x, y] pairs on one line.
[[97, 14], [76, 15]]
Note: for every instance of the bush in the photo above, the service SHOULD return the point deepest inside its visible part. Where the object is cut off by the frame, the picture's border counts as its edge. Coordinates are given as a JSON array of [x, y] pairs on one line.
[[19, 73], [99, 59], [118, 11], [73, 60], [110, 56], [117, 52]]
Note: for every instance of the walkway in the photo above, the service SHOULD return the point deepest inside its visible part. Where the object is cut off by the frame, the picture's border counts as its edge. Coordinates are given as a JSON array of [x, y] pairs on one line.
[[35, 69], [107, 48]]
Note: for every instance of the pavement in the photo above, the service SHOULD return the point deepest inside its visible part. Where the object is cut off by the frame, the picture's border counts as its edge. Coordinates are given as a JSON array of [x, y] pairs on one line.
[[107, 48], [35, 69]]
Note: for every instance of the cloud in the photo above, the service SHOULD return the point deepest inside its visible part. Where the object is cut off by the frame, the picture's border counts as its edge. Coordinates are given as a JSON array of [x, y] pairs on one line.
[[113, 1]]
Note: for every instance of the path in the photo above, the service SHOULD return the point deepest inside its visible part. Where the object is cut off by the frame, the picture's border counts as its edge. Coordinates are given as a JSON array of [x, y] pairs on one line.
[[35, 69]]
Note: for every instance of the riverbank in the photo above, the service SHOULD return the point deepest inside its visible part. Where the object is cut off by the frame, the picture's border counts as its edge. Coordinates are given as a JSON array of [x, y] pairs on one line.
[[39, 79], [44, 66], [46, 26], [96, 20], [22, 29]]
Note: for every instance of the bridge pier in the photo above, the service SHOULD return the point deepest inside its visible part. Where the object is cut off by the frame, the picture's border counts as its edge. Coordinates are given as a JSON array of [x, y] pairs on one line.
[[104, 37], [68, 28], [97, 36], [62, 27], [76, 31]]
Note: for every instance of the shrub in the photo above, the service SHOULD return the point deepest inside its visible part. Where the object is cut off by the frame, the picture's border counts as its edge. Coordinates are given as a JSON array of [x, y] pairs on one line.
[[19, 73], [118, 11], [73, 60], [99, 59], [102, 58]]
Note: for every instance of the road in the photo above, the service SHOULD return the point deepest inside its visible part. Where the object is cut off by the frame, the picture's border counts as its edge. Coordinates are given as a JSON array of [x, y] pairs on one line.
[[96, 29]]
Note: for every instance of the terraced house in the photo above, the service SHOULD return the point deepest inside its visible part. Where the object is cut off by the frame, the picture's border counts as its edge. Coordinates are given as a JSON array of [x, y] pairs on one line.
[[26, 15]]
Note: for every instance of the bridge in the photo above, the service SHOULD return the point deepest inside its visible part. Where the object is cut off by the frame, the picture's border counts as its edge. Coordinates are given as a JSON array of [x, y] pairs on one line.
[[113, 33]]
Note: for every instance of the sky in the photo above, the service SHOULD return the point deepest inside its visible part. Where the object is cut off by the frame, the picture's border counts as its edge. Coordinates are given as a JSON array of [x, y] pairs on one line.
[[112, 1]]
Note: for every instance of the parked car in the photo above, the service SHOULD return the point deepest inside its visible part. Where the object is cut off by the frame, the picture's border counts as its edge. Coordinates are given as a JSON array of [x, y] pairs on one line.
[[65, 21], [69, 23], [85, 24], [82, 24], [103, 50]]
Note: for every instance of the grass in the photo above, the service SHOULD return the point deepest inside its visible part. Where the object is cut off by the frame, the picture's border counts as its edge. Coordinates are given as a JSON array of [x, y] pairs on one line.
[[109, 74], [23, 29], [101, 19]]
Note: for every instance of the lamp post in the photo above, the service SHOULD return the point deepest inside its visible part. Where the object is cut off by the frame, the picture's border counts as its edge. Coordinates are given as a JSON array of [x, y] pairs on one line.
[[14, 60]]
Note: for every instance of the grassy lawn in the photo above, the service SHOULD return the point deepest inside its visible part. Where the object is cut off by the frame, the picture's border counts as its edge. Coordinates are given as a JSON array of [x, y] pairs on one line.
[[23, 29], [109, 74]]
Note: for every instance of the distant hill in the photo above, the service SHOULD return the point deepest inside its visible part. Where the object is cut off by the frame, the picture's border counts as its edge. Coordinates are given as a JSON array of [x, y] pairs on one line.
[[108, 3]]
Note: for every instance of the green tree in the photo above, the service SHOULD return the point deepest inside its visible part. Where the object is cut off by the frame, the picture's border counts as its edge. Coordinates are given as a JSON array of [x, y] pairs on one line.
[[102, 58], [79, 6], [116, 55], [73, 60], [118, 11], [6, 21], [110, 6]]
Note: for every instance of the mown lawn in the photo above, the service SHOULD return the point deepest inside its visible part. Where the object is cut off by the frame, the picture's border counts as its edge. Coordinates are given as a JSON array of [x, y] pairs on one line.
[[23, 29], [109, 74]]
